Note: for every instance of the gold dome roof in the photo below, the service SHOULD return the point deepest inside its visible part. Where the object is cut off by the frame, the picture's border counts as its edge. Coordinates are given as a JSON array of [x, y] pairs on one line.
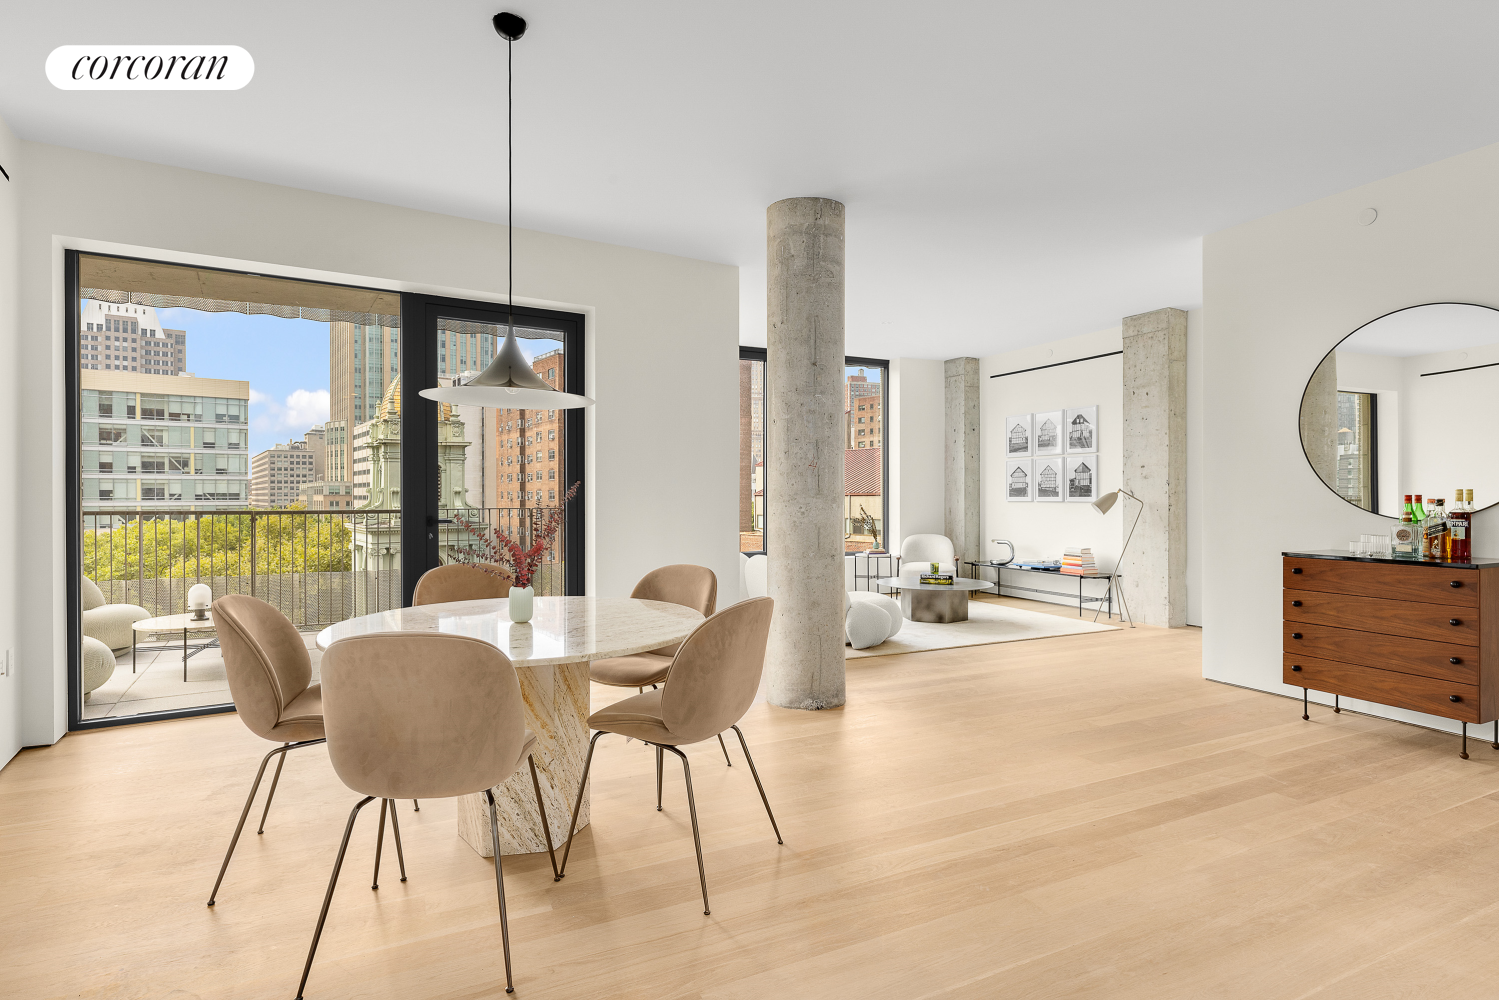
[[390, 404]]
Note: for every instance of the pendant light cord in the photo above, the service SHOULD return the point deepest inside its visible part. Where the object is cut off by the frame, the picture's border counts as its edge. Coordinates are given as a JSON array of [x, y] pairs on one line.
[[510, 178]]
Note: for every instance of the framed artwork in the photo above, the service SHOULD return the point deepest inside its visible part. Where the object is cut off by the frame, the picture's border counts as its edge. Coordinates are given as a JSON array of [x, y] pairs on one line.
[[1081, 483], [1018, 480], [1048, 434], [1082, 429], [1048, 479], [1018, 435]]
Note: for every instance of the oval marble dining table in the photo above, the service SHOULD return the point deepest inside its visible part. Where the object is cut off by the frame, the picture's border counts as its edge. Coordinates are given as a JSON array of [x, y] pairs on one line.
[[551, 653]]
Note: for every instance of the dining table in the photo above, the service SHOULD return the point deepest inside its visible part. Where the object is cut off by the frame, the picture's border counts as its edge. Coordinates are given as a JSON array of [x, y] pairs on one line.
[[550, 654]]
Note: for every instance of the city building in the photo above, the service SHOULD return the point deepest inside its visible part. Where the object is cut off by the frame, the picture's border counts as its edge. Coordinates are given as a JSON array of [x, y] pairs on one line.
[[363, 359], [529, 446], [863, 500], [324, 495], [278, 474], [125, 337], [164, 440], [865, 419]]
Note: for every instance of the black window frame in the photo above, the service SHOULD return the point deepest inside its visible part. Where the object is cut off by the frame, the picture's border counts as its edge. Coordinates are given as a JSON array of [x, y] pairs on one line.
[[761, 355]]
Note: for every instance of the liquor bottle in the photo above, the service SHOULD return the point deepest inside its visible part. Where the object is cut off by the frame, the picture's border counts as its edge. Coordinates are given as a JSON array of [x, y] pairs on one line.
[[1434, 531], [1418, 510], [1403, 536], [1458, 549]]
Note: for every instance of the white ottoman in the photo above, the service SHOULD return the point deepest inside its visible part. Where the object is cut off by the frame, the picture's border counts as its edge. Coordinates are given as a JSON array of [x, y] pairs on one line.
[[870, 618], [98, 664]]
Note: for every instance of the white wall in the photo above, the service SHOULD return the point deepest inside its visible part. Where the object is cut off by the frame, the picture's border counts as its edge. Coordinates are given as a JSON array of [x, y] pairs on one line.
[[916, 452], [1278, 293], [662, 349], [10, 419], [1043, 530]]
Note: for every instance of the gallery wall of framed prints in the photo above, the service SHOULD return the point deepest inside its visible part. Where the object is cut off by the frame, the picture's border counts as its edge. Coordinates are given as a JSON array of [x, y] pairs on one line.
[[1052, 456]]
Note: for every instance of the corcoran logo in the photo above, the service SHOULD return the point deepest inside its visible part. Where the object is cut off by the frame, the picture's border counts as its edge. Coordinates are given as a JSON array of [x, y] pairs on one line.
[[149, 67]]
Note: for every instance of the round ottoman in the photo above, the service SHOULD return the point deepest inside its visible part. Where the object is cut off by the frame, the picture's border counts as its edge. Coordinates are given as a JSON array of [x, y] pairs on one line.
[[98, 664]]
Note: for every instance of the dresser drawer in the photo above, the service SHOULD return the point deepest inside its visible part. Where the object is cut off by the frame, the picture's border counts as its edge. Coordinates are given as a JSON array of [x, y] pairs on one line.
[[1429, 584], [1437, 622], [1387, 652], [1386, 687]]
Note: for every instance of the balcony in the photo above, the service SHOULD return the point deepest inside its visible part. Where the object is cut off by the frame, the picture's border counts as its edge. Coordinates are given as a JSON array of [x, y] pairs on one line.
[[316, 567]]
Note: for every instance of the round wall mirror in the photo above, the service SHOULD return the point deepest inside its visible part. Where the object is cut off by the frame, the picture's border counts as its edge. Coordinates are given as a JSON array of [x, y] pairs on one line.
[[1406, 404]]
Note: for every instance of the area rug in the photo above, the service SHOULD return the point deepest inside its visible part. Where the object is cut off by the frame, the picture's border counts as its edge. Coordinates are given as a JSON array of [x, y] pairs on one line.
[[986, 623]]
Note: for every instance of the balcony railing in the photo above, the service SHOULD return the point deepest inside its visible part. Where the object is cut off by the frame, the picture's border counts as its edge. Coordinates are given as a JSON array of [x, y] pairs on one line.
[[317, 567]]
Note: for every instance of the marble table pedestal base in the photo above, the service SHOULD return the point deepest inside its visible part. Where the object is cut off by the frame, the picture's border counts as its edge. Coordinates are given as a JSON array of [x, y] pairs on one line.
[[557, 704]]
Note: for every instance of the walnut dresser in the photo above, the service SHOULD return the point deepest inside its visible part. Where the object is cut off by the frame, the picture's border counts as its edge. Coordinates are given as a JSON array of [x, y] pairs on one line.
[[1417, 635]]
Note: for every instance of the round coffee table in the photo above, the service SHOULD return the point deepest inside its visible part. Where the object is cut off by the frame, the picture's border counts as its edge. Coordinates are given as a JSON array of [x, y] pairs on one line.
[[934, 602], [174, 623]]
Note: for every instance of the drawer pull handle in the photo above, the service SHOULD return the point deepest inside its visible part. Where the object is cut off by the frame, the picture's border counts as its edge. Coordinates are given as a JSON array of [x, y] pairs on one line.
[[1457, 583], [1454, 697], [1295, 604], [1454, 659], [1296, 667], [1295, 635], [1296, 570], [1454, 621]]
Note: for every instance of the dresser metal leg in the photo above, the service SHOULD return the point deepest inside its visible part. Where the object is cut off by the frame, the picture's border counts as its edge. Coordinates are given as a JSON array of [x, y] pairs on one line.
[[1304, 715], [1464, 753], [1337, 708], [1496, 734]]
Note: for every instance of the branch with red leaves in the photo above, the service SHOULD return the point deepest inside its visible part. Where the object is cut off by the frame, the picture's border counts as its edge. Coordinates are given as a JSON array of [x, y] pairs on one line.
[[496, 548]]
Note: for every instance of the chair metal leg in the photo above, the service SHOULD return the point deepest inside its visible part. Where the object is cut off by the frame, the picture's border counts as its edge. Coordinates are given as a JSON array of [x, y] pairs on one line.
[[697, 840], [338, 863], [541, 807], [658, 779], [395, 826], [756, 773], [572, 826], [499, 887], [725, 750], [379, 843], [245, 812], [275, 779]]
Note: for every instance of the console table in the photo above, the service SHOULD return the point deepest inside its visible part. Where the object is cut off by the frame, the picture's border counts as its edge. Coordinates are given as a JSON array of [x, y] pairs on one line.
[[1414, 634], [1107, 600]]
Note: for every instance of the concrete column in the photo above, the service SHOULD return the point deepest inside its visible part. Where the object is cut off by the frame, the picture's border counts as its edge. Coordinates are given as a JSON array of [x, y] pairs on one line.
[[960, 515], [804, 460], [1319, 420], [1154, 567]]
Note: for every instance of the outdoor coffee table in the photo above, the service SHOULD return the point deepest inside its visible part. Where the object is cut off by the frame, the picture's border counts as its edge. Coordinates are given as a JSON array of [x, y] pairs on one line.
[[173, 623], [934, 602]]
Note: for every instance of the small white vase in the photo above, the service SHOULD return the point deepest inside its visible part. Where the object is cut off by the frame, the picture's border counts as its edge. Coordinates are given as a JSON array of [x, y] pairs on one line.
[[520, 603]]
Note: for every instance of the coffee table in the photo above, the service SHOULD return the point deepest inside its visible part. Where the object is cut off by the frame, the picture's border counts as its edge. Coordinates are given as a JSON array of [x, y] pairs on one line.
[[172, 623], [934, 602]]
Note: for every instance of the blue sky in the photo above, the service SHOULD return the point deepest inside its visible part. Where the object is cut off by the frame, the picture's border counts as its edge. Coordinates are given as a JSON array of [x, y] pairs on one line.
[[284, 360]]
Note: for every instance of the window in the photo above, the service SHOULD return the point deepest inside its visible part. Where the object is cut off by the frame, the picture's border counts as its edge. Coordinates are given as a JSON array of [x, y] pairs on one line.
[[1358, 456], [863, 463]]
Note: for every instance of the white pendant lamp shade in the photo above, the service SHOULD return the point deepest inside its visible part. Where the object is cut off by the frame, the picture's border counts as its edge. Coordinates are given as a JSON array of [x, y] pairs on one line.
[[509, 381]]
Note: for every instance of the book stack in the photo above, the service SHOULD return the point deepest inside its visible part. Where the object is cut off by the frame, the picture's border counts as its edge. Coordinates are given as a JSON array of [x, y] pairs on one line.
[[1079, 562], [937, 579]]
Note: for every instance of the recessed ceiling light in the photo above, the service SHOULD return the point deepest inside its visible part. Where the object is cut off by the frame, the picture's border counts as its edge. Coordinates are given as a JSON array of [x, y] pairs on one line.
[[1367, 217]]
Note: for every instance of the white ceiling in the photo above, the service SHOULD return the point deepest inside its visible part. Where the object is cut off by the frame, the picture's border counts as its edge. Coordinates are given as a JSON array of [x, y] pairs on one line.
[[1013, 172]]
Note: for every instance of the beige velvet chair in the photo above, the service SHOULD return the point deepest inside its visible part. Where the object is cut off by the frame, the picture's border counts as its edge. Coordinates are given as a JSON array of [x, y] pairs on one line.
[[712, 683], [692, 587], [270, 679], [460, 582], [424, 715]]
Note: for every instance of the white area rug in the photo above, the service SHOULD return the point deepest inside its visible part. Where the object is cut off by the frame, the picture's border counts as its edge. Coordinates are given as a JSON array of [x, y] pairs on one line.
[[986, 623]]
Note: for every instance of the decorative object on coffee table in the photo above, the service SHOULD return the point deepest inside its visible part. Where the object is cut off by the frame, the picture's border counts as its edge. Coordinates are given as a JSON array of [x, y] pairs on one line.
[[497, 552]]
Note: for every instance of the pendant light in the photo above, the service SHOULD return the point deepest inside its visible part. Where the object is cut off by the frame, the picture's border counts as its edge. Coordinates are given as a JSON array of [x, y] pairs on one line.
[[509, 381]]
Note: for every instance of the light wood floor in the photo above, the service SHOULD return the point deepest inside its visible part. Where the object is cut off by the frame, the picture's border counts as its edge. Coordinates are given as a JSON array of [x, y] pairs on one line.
[[1072, 817]]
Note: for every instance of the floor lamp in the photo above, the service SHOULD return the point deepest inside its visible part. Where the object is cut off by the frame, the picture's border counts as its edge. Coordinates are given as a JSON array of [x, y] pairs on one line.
[[1103, 504]]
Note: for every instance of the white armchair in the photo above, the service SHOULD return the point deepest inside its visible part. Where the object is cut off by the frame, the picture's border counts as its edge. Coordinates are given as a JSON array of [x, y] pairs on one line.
[[918, 552], [109, 623], [868, 618]]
